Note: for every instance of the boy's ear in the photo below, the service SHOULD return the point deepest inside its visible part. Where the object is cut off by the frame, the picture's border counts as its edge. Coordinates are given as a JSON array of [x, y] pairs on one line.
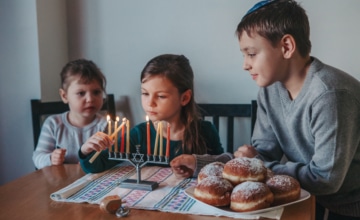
[[63, 96], [185, 97], [288, 46]]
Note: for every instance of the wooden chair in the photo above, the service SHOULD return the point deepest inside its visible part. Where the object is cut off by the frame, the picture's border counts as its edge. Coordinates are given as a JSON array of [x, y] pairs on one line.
[[39, 110], [229, 111]]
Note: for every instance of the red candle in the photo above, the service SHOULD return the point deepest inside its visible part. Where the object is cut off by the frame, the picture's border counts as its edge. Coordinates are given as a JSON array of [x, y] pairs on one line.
[[116, 135], [148, 135], [122, 138], [168, 141]]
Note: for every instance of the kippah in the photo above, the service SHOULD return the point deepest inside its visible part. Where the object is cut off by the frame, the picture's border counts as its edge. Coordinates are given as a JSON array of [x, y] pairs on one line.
[[258, 5]]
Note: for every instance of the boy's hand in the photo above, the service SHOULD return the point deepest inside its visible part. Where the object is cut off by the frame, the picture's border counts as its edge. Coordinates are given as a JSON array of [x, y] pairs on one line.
[[98, 142], [246, 151], [183, 166], [58, 156]]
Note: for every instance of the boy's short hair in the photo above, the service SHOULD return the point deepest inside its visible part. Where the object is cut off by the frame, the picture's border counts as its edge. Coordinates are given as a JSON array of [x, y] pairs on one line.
[[275, 18]]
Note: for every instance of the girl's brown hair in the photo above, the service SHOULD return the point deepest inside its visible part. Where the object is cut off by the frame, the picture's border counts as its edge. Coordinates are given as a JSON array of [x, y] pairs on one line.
[[177, 69]]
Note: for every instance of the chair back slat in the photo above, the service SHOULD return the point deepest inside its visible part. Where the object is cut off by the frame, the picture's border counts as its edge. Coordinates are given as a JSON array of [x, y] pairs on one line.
[[229, 111]]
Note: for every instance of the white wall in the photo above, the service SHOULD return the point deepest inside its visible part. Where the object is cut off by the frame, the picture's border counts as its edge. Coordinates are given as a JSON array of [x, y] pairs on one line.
[[19, 82], [121, 36]]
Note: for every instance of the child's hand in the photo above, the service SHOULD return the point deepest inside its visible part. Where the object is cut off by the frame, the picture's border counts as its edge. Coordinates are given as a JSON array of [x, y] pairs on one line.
[[58, 156], [98, 142], [246, 151], [183, 166]]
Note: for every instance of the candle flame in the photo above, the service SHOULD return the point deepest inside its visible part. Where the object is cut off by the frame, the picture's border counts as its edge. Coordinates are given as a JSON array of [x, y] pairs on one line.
[[108, 117], [124, 119], [147, 118], [117, 118]]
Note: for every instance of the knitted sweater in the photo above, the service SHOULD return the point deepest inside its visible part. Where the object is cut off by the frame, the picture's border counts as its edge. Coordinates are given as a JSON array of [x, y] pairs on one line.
[[318, 132], [57, 132]]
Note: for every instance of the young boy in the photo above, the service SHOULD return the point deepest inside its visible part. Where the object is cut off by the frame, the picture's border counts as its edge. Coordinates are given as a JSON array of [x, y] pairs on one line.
[[308, 111]]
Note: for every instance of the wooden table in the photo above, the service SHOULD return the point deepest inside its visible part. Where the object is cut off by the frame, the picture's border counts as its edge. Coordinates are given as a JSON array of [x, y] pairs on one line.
[[29, 198]]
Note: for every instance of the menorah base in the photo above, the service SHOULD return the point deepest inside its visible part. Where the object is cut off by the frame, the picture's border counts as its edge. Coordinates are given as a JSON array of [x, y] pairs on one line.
[[142, 185]]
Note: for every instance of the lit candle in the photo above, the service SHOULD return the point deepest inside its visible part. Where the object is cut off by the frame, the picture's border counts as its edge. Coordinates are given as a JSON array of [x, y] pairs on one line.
[[161, 139], [127, 136], [111, 137], [123, 138], [109, 124], [148, 135], [118, 129], [168, 140], [157, 139], [116, 135], [109, 129]]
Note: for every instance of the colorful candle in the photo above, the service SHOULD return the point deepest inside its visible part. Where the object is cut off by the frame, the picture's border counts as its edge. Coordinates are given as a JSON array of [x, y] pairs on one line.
[[122, 147], [109, 129], [116, 135], [161, 139], [157, 139], [92, 159], [148, 135], [127, 136], [168, 140], [109, 124], [117, 130]]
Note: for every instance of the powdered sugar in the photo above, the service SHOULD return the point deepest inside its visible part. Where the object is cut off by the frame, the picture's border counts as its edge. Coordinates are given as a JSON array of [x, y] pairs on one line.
[[213, 169], [252, 164], [248, 189], [215, 181]]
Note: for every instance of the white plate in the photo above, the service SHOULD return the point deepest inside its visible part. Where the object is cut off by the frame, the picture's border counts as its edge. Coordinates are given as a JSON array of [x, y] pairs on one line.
[[303, 196]]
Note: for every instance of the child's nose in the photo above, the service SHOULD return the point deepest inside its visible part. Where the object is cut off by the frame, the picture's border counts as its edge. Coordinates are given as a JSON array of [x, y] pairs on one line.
[[246, 65], [151, 101], [89, 97]]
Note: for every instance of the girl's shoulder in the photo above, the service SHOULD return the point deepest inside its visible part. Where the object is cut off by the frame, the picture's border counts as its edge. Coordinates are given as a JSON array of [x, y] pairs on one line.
[[206, 124], [55, 119]]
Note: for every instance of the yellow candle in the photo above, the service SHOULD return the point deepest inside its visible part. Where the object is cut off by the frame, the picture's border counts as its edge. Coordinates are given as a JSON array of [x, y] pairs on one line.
[[92, 159], [127, 136], [118, 129], [161, 139], [109, 124], [167, 154], [116, 135], [157, 139]]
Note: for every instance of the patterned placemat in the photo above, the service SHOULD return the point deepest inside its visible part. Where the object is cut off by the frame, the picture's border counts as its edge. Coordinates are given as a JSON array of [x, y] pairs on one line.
[[168, 197]]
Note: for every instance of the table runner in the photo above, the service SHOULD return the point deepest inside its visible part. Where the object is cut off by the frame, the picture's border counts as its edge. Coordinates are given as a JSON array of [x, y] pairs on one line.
[[168, 197]]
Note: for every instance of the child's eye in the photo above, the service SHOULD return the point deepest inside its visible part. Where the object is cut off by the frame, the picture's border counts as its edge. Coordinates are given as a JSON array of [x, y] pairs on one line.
[[251, 54], [162, 96], [81, 93], [144, 93], [97, 92]]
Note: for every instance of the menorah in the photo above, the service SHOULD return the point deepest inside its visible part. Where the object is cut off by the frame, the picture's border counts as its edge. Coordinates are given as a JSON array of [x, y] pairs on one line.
[[138, 162], [138, 158]]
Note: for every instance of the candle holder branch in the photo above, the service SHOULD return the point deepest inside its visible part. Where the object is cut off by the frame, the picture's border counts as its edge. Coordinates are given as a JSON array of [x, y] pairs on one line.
[[138, 162]]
